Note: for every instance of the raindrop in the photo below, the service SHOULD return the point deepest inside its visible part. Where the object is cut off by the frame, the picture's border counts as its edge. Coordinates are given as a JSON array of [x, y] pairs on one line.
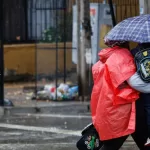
[[65, 123], [29, 115]]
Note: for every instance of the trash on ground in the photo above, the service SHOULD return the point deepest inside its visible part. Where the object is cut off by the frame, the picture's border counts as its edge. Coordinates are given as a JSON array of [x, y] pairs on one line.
[[62, 92], [8, 103]]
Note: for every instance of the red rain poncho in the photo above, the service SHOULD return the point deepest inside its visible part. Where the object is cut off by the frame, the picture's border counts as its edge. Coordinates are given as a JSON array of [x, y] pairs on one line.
[[113, 107]]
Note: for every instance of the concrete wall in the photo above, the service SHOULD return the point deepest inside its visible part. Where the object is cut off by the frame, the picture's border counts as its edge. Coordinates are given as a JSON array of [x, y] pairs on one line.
[[23, 58]]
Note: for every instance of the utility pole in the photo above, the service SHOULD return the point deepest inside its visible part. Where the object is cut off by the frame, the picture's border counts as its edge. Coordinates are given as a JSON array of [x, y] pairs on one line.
[[112, 12], [1, 56], [144, 6], [78, 49], [85, 48]]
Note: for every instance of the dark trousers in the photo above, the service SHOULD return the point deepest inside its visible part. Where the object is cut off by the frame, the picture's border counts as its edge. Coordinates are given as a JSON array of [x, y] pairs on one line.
[[146, 98], [140, 135]]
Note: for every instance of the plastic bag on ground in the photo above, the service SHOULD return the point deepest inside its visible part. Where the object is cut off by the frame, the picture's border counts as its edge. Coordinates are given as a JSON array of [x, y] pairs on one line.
[[63, 88], [49, 87]]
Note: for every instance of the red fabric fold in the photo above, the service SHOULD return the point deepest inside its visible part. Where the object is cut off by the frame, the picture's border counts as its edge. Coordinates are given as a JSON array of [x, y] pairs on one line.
[[113, 110]]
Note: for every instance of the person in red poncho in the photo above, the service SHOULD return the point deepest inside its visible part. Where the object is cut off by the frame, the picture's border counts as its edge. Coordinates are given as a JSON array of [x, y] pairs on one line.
[[113, 99]]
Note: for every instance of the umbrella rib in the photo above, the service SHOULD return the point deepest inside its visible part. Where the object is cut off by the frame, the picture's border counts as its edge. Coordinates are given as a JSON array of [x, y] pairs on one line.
[[127, 28], [140, 29]]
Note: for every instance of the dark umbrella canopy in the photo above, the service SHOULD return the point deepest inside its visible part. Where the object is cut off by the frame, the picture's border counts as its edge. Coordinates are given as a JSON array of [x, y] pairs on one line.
[[136, 29]]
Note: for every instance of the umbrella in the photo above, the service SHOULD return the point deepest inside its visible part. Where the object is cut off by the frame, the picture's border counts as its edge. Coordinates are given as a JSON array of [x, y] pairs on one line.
[[136, 29]]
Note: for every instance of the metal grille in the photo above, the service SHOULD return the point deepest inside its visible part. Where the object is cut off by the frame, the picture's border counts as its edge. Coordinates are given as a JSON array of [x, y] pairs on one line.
[[48, 23], [28, 20], [15, 20], [31, 20], [52, 28]]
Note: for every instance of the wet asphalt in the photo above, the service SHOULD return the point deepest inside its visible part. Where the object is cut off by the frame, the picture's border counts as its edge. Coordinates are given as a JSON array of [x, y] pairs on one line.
[[55, 127]]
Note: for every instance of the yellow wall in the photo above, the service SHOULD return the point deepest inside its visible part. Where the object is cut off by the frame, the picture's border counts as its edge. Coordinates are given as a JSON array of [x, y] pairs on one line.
[[22, 57]]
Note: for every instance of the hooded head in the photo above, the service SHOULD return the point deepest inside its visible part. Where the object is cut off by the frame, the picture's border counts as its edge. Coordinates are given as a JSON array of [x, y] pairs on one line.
[[106, 53], [111, 43]]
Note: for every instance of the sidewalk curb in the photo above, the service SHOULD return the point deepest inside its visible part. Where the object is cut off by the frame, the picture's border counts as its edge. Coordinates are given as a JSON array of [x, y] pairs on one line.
[[37, 108]]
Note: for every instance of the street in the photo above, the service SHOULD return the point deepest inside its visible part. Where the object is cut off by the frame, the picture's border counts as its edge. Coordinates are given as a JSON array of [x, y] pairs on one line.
[[55, 127]]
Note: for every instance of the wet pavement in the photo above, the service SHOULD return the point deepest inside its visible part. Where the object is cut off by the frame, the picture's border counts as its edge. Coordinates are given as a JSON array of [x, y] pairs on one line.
[[19, 96], [43, 125], [55, 127]]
